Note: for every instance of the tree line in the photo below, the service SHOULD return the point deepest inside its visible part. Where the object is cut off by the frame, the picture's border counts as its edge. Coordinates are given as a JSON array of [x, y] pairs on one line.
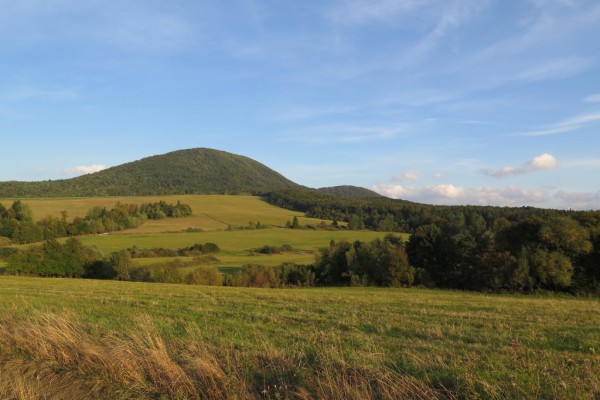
[[16, 222], [382, 262], [475, 247], [532, 255]]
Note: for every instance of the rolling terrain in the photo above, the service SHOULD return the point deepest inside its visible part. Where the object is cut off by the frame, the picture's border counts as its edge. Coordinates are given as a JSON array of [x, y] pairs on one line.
[[221, 219], [210, 212]]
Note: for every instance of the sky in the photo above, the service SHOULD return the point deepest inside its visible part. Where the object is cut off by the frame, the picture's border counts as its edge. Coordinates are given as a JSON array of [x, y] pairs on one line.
[[485, 102]]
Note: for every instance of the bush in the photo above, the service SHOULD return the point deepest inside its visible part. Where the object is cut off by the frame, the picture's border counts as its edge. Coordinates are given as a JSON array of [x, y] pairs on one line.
[[296, 275], [167, 274], [271, 249], [204, 276], [100, 270], [253, 275]]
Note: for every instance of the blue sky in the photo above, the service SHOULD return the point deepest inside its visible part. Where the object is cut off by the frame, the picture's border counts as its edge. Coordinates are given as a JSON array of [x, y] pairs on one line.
[[438, 101]]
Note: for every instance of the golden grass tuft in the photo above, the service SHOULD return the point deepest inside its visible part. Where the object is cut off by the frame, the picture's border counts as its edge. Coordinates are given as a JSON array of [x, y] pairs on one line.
[[47, 356]]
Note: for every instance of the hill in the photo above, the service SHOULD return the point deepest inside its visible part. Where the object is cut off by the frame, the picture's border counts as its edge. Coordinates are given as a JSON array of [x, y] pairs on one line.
[[349, 192], [193, 171]]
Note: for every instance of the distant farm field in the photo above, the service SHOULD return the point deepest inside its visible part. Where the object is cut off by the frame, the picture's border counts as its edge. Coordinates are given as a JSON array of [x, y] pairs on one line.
[[210, 212], [212, 217], [67, 338], [230, 242]]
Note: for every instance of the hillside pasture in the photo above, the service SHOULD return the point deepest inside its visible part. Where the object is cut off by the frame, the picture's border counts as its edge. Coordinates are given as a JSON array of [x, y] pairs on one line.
[[212, 217], [230, 242], [210, 212], [230, 263], [68, 338]]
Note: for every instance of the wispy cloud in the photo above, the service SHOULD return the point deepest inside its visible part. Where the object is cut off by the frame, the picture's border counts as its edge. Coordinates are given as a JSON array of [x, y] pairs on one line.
[[357, 12], [142, 26], [535, 48], [407, 176], [593, 98], [543, 162], [581, 162], [420, 98], [307, 113], [568, 125], [453, 15], [554, 69], [85, 169], [129, 23], [340, 133], [24, 92]]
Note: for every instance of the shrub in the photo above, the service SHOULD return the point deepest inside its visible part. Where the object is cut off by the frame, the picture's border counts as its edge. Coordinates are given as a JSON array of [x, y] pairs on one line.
[[204, 276]]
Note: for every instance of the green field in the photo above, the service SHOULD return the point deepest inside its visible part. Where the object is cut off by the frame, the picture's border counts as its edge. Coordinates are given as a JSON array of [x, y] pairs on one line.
[[231, 243], [235, 246], [210, 212], [58, 337], [212, 215]]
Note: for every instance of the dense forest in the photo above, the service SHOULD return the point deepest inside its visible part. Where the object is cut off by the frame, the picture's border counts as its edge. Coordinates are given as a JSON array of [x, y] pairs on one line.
[[558, 255], [16, 222], [471, 247]]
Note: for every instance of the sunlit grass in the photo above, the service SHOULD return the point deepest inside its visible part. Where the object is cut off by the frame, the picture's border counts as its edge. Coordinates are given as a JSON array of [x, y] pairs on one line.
[[230, 242], [227, 261], [475, 345], [210, 212], [212, 216]]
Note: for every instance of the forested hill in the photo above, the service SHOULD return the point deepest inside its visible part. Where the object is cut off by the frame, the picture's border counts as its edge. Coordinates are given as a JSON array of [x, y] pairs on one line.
[[349, 192], [193, 171]]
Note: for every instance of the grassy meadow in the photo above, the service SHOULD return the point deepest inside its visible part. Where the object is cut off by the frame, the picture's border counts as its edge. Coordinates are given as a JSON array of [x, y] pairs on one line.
[[230, 242], [212, 215], [67, 338], [210, 212]]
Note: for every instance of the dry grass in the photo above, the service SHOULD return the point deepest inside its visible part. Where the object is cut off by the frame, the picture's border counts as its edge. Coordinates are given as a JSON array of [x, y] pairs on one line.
[[72, 338], [48, 356]]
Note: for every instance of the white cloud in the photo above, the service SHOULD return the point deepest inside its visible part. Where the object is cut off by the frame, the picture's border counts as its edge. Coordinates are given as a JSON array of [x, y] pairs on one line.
[[579, 201], [450, 194], [543, 162], [85, 169], [407, 176], [593, 98], [438, 175]]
